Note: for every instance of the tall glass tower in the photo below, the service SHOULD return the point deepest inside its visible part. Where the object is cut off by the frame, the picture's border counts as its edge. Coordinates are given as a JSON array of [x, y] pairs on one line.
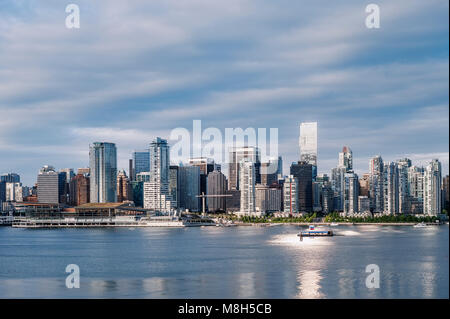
[[103, 170], [141, 162], [156, 192], [308, 145]]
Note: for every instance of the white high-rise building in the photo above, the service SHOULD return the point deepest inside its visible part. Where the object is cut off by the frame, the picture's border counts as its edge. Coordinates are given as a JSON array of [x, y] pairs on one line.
[[415, 182], [247, 187], [346, 158], [156, 191], [50, 185], [290, 195], [308, 143], [351, 187], [236, 155], [391, 188], [103, 172], [432, 202], [11, 189]]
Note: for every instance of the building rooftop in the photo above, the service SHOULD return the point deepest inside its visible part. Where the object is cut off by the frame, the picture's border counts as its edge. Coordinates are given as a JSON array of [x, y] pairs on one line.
[[100, 205]]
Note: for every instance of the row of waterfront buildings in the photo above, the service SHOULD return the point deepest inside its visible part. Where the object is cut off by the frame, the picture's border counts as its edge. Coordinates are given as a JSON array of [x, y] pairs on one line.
[[251, 188]]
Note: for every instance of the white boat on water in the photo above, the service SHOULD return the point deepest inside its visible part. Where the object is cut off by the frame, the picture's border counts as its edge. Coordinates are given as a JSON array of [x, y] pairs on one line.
[[421, 225], [334, 224]]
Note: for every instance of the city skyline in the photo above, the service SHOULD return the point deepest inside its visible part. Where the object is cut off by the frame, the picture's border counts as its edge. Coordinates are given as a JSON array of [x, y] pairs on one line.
[[423, 162], [380, 91]]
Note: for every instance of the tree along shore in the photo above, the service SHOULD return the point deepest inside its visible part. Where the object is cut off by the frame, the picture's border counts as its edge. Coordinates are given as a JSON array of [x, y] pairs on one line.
[[333, 218]]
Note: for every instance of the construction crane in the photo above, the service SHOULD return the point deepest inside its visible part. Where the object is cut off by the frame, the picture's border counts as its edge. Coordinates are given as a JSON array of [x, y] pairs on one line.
[[203, 197]]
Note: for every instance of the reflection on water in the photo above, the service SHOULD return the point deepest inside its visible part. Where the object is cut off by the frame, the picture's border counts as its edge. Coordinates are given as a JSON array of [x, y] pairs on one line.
[[428, 278], [246, 285], [309, 284]]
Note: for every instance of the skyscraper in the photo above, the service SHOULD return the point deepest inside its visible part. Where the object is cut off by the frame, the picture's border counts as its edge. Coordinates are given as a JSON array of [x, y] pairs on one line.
[[216, 185], [10, 178], [236, 155], [123, 187], [69, 174], [247, 186], [103, 172], [174, 185], [141, 163], [271, 170], [50, 185], [446, 190], [303, 172], [403, 186], [338, 186], [84, 171], [432, 189], [156, 192], [415, 188], [2, 193], [376, 184], [206, 166], [189, 177], [364, 185], [12, 189], [290, 195], [363, 204], [346, 158], [391, 188], [138, 193], [351, 193], [308, 145], [327, 197], [79, 190]]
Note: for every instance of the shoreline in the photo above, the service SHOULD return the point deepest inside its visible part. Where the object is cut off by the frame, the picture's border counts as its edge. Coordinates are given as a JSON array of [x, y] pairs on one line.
[[329, 224]]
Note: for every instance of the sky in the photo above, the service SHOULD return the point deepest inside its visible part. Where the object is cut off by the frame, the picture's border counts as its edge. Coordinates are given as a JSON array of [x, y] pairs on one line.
[[135, 70]]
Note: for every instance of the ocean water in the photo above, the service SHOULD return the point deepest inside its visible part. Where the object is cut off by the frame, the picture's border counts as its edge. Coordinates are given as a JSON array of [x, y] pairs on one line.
[[225, 262]]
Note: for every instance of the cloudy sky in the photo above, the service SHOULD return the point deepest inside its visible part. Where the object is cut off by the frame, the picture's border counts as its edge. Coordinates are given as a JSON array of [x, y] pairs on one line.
[[138, 69]]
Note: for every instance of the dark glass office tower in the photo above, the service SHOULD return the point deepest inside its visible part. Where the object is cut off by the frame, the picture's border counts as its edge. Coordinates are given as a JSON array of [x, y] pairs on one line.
[[303, 172]]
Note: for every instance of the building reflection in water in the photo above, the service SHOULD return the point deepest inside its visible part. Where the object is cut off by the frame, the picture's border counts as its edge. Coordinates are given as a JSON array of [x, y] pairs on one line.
[[246, 285], [309, 274], [309, 285]]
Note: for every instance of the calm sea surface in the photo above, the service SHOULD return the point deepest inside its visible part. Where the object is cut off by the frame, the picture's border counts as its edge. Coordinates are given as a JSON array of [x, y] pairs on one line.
[[228, 262]]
